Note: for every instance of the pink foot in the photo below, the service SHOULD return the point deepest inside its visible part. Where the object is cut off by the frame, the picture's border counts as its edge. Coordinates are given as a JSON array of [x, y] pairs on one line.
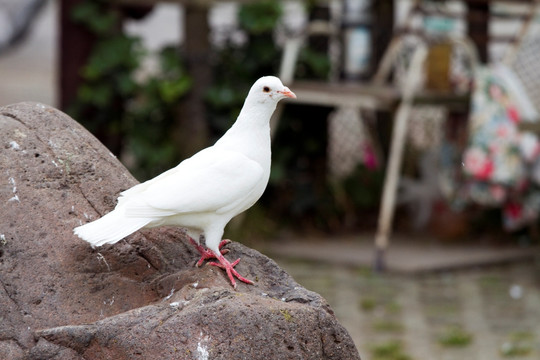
[[207, 254], [229, 268]]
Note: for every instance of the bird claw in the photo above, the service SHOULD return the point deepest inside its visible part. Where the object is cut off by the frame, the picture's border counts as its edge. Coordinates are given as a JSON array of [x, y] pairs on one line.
[[224, 242], [231, 272], [208, 254], [223, 263]]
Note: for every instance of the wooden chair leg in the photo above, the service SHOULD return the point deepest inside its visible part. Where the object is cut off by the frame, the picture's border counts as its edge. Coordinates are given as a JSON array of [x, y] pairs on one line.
[[391, 182], [397, 147]]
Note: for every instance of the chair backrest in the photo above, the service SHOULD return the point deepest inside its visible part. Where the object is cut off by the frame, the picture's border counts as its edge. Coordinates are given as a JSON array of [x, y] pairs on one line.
[[523, 56], [412, 32], [329, 28], [435, 26], [525, 66]]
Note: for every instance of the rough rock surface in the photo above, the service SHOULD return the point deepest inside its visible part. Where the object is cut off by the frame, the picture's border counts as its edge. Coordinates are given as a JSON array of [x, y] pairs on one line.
[[141, 298]]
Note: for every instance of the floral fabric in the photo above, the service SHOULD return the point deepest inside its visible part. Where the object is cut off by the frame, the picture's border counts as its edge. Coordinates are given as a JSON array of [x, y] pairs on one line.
[[501, 163]]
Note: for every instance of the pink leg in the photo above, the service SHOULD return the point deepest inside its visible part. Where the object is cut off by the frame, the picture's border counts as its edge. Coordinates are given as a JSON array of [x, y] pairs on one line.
[[229, 268], [207, 254]]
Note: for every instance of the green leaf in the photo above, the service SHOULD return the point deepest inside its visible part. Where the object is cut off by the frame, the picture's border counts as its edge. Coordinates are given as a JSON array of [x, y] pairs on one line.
[[95, 18], [171, 91], [260, 17], [126, 85], [85, 11]]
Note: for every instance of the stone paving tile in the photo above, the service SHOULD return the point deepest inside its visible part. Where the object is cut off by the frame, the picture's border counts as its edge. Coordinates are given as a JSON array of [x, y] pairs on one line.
[[490, 313]]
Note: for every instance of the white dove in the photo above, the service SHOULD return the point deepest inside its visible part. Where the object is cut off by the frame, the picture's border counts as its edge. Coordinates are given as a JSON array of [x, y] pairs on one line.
[[203, 193]]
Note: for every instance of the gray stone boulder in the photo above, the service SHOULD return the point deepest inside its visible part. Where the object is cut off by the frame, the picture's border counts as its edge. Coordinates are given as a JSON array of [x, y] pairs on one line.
[[141, 298]]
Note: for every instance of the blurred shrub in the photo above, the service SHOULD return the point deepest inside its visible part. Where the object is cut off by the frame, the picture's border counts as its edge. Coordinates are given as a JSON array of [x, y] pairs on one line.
[[128, 116], [151, 117], [236, 67]]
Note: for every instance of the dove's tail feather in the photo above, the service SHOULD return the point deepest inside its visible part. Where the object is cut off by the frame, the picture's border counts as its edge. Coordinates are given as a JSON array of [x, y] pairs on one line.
[[110, 228]]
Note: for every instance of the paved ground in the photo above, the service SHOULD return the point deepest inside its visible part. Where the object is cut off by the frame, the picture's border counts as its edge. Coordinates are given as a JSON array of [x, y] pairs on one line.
[[490, 312], [406, 254]]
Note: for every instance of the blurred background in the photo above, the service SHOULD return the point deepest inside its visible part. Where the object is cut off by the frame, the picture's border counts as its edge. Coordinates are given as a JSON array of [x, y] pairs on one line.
[[405, 177]]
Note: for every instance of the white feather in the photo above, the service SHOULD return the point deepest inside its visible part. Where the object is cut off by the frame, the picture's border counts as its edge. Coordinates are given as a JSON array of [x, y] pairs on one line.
[[220, 183], [110, 228], [205, 191]]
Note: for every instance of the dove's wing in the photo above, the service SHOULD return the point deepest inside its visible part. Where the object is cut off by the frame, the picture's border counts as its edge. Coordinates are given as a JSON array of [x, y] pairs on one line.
[[210, 182]]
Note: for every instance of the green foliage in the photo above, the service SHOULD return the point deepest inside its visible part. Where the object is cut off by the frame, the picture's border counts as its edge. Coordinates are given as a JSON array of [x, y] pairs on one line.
[[128, 115], [237, 66], [92, 15], [108, 72], [388, 326], [150, 120], [312, 64], [455, 337], [519, 344], [391, 350], [260, 17], [110, 56], [286, 315], [368, 304]]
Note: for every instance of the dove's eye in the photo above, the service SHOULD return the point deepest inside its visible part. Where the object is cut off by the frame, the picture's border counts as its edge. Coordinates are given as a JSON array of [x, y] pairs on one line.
[[266, 89]]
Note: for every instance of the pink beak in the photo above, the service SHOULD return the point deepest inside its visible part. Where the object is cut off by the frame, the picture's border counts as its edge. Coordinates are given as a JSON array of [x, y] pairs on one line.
[[287, 93]]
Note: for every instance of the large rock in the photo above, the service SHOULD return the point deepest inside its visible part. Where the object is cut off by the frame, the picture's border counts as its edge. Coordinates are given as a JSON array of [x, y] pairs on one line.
[[142, 297]]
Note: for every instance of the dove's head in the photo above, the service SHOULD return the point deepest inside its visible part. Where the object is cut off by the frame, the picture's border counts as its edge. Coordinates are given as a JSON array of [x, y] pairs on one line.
[[269, 89]]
